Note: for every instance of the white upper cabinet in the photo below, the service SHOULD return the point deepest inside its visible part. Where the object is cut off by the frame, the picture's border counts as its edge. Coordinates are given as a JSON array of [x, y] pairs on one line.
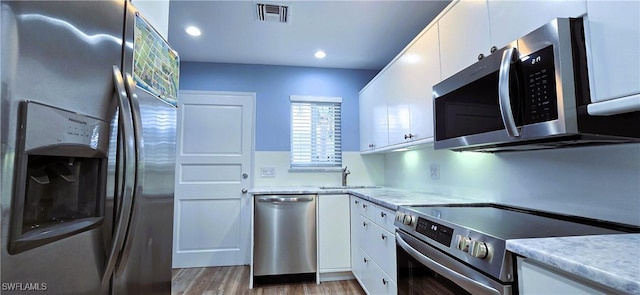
[[510, 20], [613, 55], [397, 107], [366, 118], [464, 34], [423, 63], [472, 27], [396, 93], [406, 87], [373, 116]]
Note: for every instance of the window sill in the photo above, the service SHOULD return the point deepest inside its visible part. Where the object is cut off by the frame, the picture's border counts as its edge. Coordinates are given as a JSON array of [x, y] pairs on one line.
[[315, 169]]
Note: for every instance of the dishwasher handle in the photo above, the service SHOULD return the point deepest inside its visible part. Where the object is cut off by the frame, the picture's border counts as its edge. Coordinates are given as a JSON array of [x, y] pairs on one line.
[[296, 199]]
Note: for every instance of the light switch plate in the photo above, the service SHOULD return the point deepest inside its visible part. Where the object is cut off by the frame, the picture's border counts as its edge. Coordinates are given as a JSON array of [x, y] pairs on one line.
[[435, 171], [268, 171]]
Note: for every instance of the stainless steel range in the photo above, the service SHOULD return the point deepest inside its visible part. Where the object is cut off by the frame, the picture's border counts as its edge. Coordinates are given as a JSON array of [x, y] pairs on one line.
[[461, 249]]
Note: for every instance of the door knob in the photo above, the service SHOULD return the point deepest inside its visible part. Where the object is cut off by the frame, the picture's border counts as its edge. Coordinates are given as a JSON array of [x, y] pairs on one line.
[[244, 190]]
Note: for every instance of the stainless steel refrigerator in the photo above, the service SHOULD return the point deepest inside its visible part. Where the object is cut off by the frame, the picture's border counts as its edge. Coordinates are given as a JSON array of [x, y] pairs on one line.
[[88, 94]]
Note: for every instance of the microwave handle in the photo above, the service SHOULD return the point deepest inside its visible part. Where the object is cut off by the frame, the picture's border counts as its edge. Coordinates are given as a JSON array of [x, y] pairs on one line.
[[504, 100]]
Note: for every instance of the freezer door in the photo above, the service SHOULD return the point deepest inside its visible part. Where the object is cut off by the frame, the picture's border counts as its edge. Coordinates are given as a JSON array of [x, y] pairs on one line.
[[53, 55]]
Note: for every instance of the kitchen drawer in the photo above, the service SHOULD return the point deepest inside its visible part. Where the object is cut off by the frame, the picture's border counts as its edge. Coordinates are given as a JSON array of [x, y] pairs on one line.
[[373, 279], [366, 207], [382, 216], [379, 244], [364, 233]]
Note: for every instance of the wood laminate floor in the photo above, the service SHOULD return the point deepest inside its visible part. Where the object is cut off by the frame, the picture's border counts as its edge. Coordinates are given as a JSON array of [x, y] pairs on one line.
[[235, 280]]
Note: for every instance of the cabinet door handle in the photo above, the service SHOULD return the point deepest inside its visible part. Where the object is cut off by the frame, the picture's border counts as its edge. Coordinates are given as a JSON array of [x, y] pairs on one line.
[[357, 202], [384, 282], [480, 56], [493, 49], [382, 214], [364, 224], [406, 136], [364, 206], [383, 236], [366, 260]]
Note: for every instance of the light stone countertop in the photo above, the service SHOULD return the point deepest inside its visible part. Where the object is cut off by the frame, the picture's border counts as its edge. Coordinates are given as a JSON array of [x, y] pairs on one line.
[[610, 260], [386, 197]]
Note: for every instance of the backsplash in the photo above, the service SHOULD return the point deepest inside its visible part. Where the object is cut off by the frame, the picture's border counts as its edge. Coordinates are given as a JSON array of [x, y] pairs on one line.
[[599, 182], [365, 170]]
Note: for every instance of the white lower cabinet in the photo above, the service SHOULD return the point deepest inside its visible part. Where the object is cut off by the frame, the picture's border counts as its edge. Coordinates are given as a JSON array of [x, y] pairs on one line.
[[374, 281], [534, 278], [373, 247], [334, 247]]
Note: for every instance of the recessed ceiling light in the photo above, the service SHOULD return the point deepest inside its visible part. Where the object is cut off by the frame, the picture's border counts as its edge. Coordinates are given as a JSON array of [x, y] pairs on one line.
[[320, 54], [193, 31]]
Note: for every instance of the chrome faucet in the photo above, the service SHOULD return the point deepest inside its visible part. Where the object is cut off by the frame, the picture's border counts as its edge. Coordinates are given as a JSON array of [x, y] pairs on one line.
[[345, 172]]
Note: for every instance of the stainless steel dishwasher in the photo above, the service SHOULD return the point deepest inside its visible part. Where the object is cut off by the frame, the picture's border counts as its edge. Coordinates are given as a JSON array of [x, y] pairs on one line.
[[284, 235]]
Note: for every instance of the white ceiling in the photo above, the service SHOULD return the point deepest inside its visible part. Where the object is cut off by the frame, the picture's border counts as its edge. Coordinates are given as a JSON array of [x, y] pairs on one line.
[[354, 34]]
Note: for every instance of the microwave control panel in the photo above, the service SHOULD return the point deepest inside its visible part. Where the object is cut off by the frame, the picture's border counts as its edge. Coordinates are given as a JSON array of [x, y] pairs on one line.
[[540, 103]]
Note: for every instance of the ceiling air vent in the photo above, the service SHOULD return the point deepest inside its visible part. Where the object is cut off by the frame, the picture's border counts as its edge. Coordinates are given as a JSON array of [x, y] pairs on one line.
[[273, 13]]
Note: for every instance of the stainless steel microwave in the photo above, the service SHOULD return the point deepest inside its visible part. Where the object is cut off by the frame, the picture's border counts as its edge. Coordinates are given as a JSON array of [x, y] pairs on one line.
[[531, 94]]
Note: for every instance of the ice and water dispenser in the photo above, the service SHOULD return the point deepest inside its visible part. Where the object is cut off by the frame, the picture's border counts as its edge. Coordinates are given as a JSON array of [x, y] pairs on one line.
[[61, 167]]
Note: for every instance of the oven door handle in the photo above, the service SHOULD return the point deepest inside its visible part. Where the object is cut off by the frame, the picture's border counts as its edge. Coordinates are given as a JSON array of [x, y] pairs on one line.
[[470, 285]]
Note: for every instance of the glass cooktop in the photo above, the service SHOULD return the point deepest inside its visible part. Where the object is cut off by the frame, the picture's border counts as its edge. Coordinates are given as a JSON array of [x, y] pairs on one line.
[[511, 223]]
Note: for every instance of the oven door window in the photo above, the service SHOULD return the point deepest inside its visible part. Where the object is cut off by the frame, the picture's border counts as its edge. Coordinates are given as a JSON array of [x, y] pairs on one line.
[[417, 279]]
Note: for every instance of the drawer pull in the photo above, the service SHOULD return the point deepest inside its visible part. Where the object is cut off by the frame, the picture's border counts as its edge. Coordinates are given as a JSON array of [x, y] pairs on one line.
[[384, 237], [357, 202], [382, 214], [364, 205], [364, 224], [366, 260], [384, 282]]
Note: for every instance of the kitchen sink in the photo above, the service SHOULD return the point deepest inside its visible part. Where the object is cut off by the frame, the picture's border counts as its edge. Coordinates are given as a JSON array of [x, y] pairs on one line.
[[347, 187]]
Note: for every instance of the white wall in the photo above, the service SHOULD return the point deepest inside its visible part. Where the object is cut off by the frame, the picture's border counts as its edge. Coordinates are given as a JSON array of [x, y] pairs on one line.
[[156, 12], [365, 170], [598, 182]]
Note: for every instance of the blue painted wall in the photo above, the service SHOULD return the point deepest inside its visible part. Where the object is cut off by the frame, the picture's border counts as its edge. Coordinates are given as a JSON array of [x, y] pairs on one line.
[[273, 85]]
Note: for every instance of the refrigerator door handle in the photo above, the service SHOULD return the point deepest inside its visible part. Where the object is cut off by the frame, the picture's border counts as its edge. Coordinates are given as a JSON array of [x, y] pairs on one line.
[[130, 87], [125, 125]]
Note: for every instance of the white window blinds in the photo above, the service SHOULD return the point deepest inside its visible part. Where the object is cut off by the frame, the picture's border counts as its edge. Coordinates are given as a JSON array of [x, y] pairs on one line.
[[315, 132]]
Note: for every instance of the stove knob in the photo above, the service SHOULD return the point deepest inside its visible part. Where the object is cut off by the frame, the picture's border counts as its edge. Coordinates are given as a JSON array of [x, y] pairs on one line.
[[400, 217], [478, 249], [463, 243], [408, 220]]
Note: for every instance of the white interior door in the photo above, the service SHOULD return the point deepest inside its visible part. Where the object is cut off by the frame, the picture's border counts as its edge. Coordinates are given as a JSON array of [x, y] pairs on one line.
[[212, 214]]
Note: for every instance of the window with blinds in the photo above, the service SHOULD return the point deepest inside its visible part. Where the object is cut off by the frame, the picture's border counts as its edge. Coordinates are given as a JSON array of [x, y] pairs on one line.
[[315, 132]]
